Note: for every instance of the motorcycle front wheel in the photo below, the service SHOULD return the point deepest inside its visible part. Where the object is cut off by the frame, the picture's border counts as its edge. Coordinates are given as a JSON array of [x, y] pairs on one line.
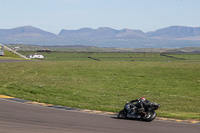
[[149, 116]]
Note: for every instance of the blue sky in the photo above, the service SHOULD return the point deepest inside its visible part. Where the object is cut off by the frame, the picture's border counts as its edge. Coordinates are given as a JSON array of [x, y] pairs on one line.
[[54, 15]]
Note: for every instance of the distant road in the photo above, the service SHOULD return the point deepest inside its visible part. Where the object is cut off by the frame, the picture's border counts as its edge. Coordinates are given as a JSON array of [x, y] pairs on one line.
[[15, 52], [25, 118]]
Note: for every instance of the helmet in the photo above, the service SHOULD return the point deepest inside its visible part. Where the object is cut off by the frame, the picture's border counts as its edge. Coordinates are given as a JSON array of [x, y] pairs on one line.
[[142, 99]]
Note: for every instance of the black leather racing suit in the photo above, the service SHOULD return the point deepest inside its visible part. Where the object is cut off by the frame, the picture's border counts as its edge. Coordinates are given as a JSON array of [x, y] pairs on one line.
[[141, 105]]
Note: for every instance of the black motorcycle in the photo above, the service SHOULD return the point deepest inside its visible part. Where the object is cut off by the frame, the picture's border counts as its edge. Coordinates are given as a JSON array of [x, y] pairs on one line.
[[147, 114]]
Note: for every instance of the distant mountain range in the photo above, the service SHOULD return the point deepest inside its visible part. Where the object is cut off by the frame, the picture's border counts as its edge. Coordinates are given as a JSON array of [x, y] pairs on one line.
[[170, 37]]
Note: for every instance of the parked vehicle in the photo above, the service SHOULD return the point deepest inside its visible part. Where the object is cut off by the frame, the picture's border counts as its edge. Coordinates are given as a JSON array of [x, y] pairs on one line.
[[35, 56], [148, 114], [1, 50]]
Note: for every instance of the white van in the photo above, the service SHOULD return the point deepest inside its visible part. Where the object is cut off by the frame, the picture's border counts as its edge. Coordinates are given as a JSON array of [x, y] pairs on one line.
[[36, 56]]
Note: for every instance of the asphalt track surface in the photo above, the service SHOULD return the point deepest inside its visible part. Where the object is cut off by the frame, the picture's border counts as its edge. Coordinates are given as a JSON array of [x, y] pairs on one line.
[[27, 118]]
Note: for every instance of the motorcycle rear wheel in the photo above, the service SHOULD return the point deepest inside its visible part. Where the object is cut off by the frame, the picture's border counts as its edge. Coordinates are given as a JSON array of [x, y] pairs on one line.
[[122, 114]]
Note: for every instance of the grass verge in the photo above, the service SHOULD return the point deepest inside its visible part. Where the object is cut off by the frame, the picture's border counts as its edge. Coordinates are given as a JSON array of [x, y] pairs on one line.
[[10, 55]]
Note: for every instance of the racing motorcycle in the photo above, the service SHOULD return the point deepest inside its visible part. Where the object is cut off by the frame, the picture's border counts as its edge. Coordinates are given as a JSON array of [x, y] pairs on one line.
[[148, 114]]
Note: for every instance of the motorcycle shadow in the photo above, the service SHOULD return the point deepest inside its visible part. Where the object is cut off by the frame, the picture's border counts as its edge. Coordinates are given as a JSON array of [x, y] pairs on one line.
[[132, 119]]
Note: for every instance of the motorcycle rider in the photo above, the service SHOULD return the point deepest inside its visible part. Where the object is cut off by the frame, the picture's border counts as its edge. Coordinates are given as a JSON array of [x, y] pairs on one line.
[[137, 108]]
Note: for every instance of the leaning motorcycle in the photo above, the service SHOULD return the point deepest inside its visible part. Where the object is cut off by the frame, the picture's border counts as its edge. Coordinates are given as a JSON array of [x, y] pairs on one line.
[[148, 114]]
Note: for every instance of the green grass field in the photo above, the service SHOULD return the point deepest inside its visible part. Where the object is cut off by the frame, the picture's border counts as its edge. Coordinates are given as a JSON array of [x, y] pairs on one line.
[[10, 55], [74, 80], [116, 56]]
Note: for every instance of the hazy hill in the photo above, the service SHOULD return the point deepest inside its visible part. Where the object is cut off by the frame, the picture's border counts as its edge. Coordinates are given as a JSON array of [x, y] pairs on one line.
[[102, 32], [25, 31], [175, 32], [84, 32], [128, 34], [27, 35], [170, 37]]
